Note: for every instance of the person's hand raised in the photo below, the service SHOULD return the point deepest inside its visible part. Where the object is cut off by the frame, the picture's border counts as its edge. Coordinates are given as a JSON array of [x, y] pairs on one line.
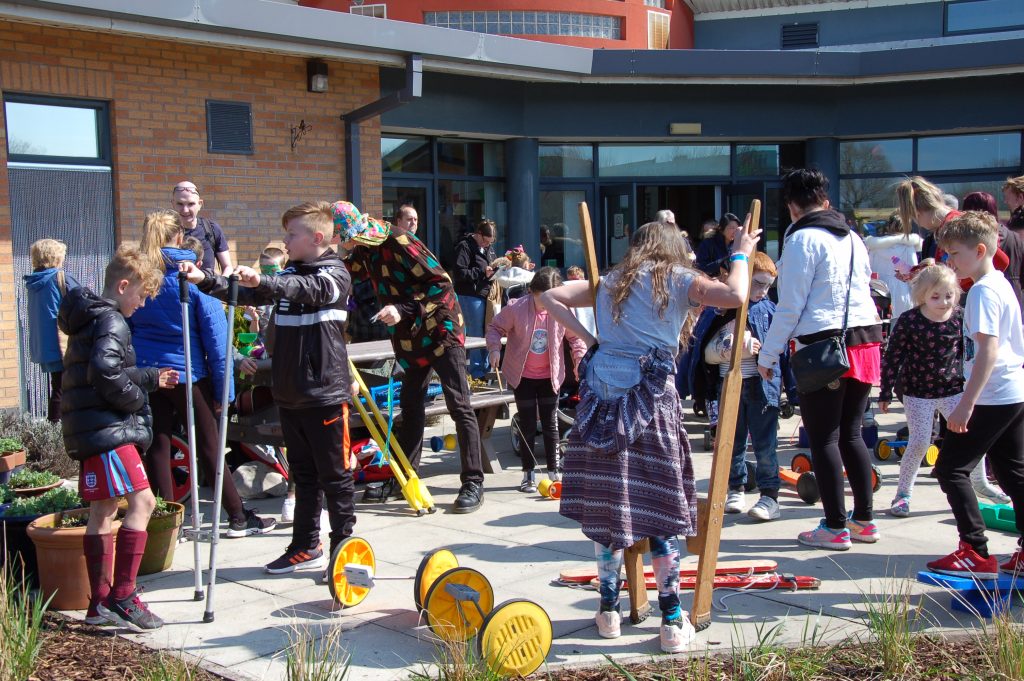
[[747, 237]]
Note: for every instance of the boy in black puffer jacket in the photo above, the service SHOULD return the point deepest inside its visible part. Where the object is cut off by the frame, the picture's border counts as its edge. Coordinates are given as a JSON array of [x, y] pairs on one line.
[[106, 423]]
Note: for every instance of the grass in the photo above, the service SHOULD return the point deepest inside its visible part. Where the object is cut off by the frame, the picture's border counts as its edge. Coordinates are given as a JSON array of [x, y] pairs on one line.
[[313, 658], [21, 618], [893, 619], [169, 668]]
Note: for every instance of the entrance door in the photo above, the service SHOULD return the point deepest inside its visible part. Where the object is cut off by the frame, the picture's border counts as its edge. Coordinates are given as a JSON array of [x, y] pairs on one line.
[[774, 216], [560, 217], [618, 220], [419, 194]]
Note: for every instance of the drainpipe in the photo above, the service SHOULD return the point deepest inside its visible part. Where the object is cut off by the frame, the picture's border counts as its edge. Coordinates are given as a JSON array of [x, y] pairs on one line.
[[413, 88]]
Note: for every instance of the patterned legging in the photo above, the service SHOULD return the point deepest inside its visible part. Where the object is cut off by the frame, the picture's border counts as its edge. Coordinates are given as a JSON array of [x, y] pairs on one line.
[[920, 414], [665, 558]]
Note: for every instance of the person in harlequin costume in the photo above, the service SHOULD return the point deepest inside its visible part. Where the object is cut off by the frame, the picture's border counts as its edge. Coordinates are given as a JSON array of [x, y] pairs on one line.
[[425, 322]]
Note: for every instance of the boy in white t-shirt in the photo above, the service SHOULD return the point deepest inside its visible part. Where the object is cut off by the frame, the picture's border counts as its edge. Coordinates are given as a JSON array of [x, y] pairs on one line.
[[990, 415]]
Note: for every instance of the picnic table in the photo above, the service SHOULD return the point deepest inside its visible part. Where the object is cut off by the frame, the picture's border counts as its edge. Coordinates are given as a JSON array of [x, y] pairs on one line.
[[263, 425]]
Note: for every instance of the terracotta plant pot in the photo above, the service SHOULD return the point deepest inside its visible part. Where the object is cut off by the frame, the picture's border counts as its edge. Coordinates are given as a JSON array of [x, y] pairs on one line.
[[59, 550], [35, 491], [163, 537], [11, 460]]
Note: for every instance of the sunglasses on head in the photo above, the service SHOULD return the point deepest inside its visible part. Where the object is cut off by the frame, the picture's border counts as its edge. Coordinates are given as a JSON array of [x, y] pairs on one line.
[[184, 188]]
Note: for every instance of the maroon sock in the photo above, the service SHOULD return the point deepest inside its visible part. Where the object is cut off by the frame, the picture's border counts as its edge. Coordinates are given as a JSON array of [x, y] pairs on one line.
[[130, 546], [99, 561]]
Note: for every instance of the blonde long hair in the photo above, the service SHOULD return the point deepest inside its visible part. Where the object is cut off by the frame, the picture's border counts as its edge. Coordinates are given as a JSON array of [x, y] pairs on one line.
[[160, 229], [917, 194]]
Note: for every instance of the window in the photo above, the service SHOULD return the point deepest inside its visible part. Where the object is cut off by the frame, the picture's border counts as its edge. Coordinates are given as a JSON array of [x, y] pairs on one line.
[[657, 31], [405, 154], [379, 11], [461, 205], [529, 23], [693, 160], [755, 160], [566, 160], [660, 4], [876, 156], [958, 152], [52, 130], [229, 127], [470, 158], [980, 16]]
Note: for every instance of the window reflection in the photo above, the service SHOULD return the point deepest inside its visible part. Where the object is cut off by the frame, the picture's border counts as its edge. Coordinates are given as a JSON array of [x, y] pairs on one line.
[[44, 130]]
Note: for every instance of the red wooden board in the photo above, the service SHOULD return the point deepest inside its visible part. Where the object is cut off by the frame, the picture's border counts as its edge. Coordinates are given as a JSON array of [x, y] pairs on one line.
[[725, 567], [768, 580]]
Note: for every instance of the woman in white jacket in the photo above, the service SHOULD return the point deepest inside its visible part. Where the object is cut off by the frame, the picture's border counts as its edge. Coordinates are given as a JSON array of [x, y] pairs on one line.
[[890, 243], [816, 265]]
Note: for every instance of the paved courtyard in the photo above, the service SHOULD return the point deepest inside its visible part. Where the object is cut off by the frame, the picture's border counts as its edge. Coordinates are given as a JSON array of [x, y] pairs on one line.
[[520, 543]]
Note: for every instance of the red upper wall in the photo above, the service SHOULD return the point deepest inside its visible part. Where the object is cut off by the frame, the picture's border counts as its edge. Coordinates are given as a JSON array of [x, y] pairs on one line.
[[633, 13]]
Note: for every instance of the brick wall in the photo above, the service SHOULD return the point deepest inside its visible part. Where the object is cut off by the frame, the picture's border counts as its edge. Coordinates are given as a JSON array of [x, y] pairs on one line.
[[157, 92]]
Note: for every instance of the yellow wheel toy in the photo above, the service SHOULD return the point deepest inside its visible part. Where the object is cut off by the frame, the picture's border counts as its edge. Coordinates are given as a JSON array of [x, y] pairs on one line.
[[353, 552], [457, 603], [433, 565], [932, 455], [882, 450], [515, 638]]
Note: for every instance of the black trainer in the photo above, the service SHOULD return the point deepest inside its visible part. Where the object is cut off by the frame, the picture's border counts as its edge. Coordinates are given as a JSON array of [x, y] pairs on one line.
[[251, 524], [130, 612], [297, 559], [376, 493], [471, 497]]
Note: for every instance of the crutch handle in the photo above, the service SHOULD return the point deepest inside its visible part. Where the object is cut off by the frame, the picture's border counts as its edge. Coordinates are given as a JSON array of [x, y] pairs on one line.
[[182, 287], [233, 290]]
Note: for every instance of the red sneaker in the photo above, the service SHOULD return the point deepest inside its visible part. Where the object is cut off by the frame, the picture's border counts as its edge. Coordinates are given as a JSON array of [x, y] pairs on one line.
[[965, 562], [1014, 566]]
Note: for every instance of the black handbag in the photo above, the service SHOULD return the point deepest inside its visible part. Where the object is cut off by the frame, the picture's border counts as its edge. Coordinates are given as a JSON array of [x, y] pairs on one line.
[[820, 363]]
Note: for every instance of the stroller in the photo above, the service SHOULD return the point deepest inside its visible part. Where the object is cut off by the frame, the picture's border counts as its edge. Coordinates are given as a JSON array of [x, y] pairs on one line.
[[882, 298]]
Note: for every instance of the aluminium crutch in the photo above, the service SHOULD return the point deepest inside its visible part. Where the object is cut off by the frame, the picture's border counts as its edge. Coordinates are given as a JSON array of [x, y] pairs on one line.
[[218, 487], [197, 519]]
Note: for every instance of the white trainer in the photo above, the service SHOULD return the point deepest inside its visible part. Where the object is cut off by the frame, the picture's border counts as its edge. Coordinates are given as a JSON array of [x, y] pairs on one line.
[[677, 635], [287, 510], [735, 501], [765, 509], [609, 623]]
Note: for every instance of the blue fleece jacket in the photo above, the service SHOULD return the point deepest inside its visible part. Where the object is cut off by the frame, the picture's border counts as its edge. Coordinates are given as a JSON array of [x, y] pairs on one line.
[[43, 302], [156, 329]]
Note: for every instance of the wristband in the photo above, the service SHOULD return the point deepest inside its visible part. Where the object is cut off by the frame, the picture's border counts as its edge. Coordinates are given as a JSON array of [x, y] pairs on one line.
[[738, 256]]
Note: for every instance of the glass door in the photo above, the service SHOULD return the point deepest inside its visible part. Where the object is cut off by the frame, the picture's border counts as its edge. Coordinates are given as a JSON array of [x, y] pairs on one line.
[[560, 238], [618, 220], [774, 216], [420, 195]]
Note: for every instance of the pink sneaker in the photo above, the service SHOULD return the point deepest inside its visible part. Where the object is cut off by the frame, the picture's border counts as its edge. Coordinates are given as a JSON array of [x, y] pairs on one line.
[[865, 532], [823, 537], [609, 623]]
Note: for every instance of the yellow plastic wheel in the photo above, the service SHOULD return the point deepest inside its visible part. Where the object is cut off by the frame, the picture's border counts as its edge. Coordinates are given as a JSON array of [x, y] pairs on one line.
[[544, 488], [353, 550], [515, 638], [433, 565], [453, 620], [882, 450], [450, 442], [932, 455]]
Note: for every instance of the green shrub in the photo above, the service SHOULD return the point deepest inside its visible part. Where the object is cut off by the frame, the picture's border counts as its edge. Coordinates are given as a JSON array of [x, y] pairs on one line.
[[5, 494], [21, 622], [44, 443], [10, 444], [26, 479], [52, 501]]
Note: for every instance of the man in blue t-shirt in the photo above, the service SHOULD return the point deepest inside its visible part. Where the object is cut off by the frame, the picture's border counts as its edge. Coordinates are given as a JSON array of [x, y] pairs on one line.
[[187, 203]]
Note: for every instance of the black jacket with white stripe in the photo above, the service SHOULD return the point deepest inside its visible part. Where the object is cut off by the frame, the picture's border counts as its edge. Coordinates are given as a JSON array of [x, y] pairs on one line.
[[310, 361]]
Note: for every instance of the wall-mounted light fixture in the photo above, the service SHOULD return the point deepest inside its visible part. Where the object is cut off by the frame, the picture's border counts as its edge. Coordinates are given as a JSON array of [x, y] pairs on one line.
[[316, 75]]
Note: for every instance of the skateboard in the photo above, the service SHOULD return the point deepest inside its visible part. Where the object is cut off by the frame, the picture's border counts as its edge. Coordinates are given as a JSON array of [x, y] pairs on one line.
[[584, 575]]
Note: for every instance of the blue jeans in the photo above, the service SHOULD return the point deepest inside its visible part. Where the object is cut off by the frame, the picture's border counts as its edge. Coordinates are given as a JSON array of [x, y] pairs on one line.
[[473, 313], [762, 422]]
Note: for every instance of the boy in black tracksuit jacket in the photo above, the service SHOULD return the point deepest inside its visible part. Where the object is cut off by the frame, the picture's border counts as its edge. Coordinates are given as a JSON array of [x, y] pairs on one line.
[[311, 382]]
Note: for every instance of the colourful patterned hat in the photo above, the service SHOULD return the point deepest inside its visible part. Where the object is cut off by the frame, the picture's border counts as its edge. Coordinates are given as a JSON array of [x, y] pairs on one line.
[[348, 221], [376, 232]]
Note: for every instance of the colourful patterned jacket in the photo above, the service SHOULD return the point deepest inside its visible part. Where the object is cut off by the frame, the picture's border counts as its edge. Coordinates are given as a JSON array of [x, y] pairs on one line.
[[407, 275]]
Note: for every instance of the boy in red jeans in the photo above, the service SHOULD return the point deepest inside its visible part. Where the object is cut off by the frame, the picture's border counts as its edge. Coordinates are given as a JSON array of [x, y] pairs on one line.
[[106, 423]]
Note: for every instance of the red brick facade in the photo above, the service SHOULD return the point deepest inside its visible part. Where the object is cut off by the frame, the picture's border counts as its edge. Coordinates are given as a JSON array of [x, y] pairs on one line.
[[157, 92]]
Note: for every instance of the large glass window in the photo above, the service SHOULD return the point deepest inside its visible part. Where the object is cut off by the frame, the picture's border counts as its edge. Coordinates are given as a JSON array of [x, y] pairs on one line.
[[661, 160], [561, 240], [43, 130], [470, 158], [755, 160], [461, 204], [976, 16], [405, 154], [566, 160], [876, 156], [868, 199], [964, 152], [529, 23]]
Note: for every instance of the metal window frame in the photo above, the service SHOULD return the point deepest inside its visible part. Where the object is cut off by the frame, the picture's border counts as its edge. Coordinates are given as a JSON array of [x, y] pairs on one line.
[[102, 109]]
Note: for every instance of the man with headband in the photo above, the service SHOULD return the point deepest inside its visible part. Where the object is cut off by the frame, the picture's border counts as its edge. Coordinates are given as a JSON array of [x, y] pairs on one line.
[[187, 203], [427, 332]]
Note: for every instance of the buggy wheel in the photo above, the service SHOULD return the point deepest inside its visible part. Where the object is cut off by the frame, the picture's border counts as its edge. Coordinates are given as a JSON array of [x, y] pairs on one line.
[[807, 488], [181, 469], [876, 478]]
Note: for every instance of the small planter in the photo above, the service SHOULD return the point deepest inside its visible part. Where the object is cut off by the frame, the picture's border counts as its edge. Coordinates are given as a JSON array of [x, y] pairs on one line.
[[162, 537], [36, 491], [59, 551], [11, 460]]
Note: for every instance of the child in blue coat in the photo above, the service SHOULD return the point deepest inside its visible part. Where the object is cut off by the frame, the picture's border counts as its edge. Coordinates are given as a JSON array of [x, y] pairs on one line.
[[46, 286]]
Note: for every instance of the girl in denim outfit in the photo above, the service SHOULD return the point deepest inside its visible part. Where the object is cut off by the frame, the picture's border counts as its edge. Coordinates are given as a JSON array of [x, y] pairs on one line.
[[628, 473]]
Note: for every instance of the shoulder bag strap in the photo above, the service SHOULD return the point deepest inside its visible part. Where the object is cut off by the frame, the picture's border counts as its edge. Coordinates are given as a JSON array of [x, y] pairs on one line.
[[849, 287]]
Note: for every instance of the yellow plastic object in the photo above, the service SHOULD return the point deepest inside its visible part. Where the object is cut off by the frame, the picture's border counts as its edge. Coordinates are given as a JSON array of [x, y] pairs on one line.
[[450, 442], [882, 450], [932, 455], [544, 487], [353, 550], [413, 489], [433, 565], [550, 489], [454, 620], [515, 638]]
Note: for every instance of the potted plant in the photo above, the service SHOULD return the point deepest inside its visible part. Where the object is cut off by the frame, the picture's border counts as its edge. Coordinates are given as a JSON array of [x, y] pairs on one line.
[[162, 536], [12, 455], [15, 518], [29, 483], [63, 574]]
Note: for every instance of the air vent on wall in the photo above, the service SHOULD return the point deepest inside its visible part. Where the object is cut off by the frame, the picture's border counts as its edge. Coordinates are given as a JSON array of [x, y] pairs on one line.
[[799, 36], [228, 127]]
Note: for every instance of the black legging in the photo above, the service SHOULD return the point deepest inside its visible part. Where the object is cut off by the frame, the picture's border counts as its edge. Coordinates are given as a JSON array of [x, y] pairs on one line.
[[833, 420], [535, 397]]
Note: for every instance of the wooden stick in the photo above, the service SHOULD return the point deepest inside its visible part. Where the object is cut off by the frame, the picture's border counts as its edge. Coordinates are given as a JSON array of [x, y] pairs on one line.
[[714, 510], [636, 585]]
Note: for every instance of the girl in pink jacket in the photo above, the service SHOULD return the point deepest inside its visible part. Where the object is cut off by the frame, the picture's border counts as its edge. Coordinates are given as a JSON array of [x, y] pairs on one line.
[[534, 368]]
